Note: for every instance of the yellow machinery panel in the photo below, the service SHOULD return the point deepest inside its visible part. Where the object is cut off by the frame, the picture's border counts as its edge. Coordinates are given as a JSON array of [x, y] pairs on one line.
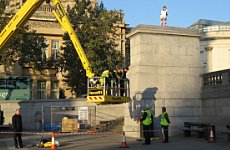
[[108, 99]]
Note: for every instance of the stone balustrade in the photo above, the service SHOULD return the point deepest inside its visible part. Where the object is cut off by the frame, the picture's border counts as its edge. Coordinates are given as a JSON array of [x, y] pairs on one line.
[[216, 84], [218, 78]]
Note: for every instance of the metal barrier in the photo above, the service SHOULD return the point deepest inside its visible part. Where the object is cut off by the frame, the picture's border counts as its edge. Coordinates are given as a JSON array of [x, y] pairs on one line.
[[52, 117], [121, 88]]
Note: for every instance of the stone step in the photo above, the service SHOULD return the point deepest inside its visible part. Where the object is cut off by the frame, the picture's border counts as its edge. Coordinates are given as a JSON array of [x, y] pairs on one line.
[[111, 125]]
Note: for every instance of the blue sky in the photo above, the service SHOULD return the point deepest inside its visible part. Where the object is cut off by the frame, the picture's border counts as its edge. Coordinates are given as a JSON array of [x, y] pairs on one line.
[[182, 13]]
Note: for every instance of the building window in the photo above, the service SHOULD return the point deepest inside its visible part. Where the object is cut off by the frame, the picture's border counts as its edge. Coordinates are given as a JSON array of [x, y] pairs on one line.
[[55, 49], [54, 90], [2, 84], [45, 52], [41, 90]]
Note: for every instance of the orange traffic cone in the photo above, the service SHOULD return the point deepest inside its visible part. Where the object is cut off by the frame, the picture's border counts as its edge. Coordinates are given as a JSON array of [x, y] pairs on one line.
[[53, 145], [123, 143], [211, 137]]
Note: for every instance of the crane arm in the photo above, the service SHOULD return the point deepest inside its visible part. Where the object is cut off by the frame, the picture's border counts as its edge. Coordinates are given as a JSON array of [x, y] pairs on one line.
[[18, 20], [62, 18], [27, 10]]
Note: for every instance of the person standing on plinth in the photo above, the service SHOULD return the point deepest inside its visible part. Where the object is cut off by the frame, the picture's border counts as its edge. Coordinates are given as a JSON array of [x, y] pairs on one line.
[[163, 16]]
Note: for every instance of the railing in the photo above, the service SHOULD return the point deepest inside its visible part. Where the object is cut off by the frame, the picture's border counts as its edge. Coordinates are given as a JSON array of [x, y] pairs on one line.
[[216, 84], [107, 87], [215, 28], [218, 78]]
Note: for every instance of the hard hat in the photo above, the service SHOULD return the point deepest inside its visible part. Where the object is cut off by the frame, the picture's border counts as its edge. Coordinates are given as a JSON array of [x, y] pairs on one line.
[[57, 143]]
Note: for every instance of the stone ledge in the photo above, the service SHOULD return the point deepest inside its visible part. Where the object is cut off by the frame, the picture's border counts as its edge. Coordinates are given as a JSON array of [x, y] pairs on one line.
[[164, 30]]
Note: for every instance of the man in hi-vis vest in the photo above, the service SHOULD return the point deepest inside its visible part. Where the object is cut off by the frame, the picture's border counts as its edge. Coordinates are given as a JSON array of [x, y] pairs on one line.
[[146, 120], [165, 125]]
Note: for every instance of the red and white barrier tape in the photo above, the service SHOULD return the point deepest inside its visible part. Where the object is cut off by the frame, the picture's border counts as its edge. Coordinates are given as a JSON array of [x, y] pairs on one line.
[[145, 131], [48, 133], [75, 133]]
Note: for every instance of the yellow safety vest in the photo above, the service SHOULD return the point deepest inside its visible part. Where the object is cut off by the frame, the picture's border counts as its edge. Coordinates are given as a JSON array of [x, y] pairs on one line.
[[148, 119], [164, 122], [104, 74]]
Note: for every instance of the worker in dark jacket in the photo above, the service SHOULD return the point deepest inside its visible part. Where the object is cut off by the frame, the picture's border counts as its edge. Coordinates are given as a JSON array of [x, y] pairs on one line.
[[123, 80], [17, 128]]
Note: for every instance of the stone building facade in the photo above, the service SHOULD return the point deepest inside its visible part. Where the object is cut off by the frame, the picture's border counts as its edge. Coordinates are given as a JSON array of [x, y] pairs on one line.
[[215, 61], [214, 44]]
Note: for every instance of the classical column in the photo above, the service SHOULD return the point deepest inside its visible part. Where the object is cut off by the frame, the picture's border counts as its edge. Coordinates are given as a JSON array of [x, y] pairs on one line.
[[209, 58]]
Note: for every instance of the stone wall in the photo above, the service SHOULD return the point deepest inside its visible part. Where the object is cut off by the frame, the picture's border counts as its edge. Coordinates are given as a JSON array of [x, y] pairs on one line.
[[216, 98], [164, 71], [30, 110], [216, 111]]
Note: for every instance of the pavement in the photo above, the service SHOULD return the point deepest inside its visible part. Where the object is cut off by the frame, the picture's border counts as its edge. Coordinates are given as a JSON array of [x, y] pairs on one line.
[[113, 142]]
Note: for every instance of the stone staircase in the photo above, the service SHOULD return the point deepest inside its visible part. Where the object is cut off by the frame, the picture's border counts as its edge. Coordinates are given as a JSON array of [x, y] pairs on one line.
[[115, 125]]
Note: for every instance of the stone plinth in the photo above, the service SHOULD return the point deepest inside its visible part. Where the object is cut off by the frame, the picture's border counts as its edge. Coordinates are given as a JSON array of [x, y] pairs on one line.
[[164, 71]]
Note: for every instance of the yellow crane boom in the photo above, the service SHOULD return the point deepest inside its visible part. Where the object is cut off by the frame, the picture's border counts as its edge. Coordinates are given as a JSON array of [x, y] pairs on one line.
[[27, 10]]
